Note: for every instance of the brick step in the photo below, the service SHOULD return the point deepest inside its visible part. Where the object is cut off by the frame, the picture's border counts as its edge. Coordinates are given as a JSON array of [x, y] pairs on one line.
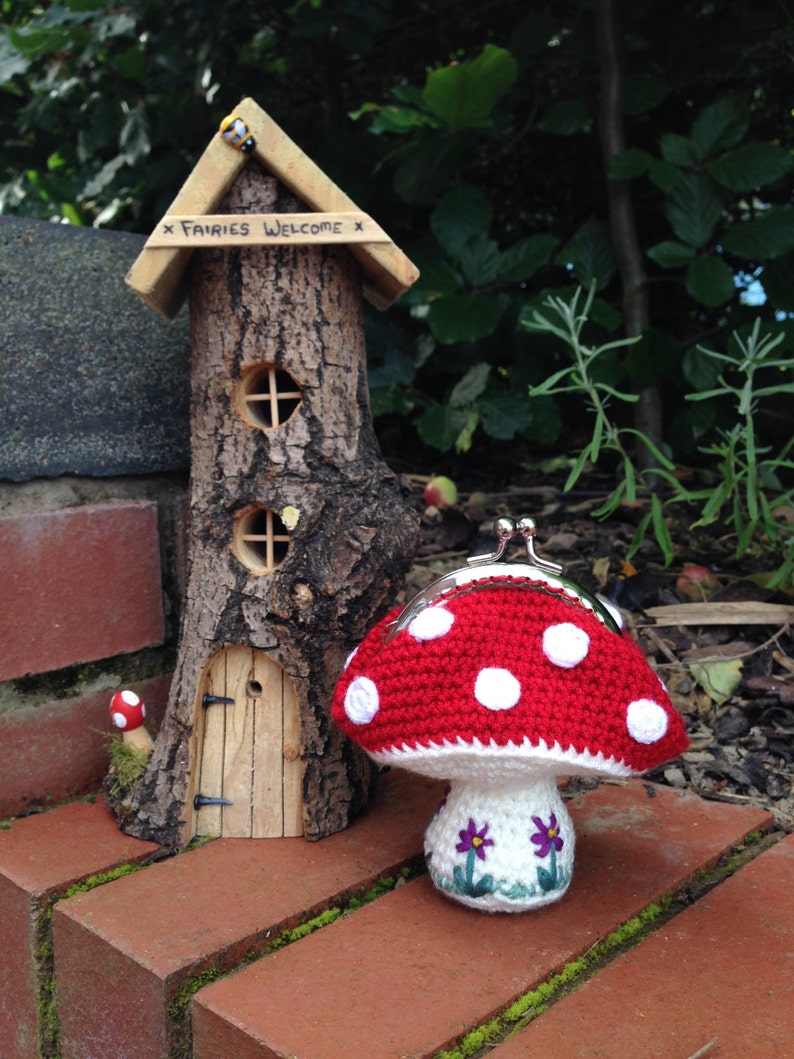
[[59, 750], [413, 973], [718, 975], [408, 973], [126, 952], [41, 858]]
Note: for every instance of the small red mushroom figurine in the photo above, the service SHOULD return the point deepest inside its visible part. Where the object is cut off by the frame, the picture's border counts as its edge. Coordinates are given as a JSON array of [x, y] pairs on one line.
[[127, 713], [499, 678]]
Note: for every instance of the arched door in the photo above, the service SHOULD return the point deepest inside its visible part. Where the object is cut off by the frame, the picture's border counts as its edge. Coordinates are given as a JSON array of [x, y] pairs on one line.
[[250, 779]]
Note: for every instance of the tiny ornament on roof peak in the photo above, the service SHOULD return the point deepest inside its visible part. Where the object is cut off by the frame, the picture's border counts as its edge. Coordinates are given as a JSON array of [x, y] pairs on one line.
[[158, 274]]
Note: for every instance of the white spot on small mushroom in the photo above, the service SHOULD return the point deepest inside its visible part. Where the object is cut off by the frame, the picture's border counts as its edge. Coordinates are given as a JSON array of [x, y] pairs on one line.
[[362, 701], [119, 720], [130, 697], [646, 721], [565, 645], [496, 689], [431, 623]]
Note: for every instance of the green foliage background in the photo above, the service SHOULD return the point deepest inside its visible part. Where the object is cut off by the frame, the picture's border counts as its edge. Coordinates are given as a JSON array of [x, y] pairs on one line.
[[482, 137]]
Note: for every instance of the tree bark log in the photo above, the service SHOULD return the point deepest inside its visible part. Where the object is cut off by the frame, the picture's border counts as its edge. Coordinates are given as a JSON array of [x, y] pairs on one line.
[[298, 308]]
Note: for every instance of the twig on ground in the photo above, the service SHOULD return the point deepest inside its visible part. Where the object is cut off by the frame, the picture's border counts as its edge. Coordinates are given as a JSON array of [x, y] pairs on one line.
[[706, 1048]]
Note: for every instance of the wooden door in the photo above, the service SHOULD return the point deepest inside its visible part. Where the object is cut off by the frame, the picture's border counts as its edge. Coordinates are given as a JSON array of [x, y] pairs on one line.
[[249, 748]]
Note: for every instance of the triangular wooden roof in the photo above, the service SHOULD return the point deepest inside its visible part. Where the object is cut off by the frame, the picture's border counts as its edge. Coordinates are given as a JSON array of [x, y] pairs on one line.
[[158, 274]]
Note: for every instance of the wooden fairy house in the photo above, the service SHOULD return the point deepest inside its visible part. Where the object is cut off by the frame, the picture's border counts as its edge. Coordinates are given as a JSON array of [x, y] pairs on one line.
[[299, 533]]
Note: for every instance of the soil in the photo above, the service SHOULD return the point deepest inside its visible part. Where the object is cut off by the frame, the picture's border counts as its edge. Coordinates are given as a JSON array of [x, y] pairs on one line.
[[740, 730]]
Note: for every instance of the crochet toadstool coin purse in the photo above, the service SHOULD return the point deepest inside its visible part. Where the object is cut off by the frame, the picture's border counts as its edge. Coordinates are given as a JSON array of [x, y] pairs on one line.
[[499, 678]]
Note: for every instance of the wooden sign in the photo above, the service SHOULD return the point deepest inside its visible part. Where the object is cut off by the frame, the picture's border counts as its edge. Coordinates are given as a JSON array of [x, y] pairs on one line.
[[263, 229]]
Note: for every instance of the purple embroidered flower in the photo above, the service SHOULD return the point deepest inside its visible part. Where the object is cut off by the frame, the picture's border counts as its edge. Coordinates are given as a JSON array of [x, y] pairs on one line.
[[471, 838], [546, 837]]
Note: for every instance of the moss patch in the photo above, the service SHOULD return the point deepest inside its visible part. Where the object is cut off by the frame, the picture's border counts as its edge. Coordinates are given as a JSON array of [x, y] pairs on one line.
[[482, 1039], [536, 1001], [127, 764]]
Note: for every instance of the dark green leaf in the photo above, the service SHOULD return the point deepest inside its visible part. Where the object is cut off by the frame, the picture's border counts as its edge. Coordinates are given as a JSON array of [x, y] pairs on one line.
[[677, 150], [390, 400], [752, 166], [464, 213], [436, 279], [700, 370], [545, 420], [441, 426], [661, 530], [465, 317], [470, 386], [719, 127], [694, 208], [34, 41], [397, 369], [504, 413], [654, 358], [710, 281], [768, 236], [566, 118], [399, 120], [522, 260], [663, 175], [777, 280], [590, 255], [626, 165], [643, 92], [11, 64], [605, 315], [479, 259], [670, 254], [86, 5], [428, 165], [132, 64], [464, 94]]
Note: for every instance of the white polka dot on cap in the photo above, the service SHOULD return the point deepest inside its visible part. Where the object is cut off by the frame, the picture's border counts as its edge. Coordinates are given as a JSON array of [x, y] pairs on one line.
[[565, 645], [431, 623], [362, 701], [496, 689], [646, 721]]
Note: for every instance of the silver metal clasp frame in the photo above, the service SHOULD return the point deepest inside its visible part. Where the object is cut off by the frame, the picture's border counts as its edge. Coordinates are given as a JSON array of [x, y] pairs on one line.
[[538, 573], [506, 529]]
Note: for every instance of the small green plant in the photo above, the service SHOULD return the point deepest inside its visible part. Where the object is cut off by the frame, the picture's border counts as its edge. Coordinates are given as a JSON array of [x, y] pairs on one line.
[[746, 483], [567, 321], [742, 484]]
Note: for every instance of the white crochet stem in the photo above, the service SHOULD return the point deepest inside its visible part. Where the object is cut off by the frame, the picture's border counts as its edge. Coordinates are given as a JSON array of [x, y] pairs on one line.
[[501, 848]]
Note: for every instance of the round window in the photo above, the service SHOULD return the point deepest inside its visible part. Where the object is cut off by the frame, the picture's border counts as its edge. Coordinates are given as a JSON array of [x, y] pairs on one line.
[[260, 540], [267, 396]]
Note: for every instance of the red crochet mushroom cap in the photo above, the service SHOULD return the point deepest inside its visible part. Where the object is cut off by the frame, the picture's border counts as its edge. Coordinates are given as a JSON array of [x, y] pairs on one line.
[[489, 680]]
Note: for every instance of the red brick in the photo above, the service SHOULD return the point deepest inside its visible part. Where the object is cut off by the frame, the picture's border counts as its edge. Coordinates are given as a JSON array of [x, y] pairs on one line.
[[78, 584], [60, 751], [205, 909], [40, 858], [723, 968], [410, 973]]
